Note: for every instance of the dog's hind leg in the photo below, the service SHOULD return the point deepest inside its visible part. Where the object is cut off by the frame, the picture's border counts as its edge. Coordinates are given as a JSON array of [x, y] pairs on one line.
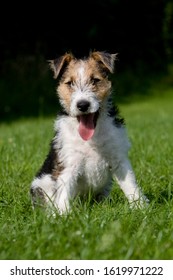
[[43, 190]]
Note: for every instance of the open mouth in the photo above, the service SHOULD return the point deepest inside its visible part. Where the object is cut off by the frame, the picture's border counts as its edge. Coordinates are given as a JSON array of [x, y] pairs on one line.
[[87, 125]]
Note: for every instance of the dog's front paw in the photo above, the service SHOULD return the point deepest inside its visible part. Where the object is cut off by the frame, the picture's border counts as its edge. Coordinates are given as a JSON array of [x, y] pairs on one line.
[[140, 203]]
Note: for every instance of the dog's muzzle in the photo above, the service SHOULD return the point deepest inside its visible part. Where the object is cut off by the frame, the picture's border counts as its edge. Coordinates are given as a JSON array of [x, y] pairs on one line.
[[83, 105]]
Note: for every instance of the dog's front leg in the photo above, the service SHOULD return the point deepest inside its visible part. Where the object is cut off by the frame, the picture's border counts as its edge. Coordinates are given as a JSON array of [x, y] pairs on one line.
[[66, 190], [125, 177]]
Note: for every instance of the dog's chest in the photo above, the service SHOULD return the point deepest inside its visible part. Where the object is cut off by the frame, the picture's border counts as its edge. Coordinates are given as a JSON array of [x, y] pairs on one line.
[[84, 159], [87, 161], [95, 167]]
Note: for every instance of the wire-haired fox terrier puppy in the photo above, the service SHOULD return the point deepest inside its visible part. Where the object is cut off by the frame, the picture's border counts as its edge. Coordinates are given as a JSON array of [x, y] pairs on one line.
[[90, 147]]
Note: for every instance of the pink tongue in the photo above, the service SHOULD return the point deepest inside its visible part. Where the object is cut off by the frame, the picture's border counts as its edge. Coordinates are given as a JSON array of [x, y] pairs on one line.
[[86, 126]]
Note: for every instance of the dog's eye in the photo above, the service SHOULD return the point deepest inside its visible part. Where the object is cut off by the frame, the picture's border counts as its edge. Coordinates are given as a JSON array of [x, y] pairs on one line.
[[69, 83], [95, 81]]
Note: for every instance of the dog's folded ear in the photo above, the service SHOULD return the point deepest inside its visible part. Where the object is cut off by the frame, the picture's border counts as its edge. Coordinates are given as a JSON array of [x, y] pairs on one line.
[[59, 64], [105, 58]]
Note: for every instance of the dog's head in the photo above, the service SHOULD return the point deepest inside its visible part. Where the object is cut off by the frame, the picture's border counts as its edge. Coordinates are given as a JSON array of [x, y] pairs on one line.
[[83, 86]]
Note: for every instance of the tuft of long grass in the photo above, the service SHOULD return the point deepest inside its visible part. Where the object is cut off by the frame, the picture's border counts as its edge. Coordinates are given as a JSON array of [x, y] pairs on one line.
[[106, 230]]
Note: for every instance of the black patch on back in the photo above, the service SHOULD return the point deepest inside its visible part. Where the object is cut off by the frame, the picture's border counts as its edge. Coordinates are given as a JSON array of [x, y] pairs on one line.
[[51, 164], [114, 112]]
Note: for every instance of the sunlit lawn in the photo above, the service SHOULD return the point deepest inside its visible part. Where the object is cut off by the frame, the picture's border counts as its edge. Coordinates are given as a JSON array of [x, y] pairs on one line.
[[109, 230]]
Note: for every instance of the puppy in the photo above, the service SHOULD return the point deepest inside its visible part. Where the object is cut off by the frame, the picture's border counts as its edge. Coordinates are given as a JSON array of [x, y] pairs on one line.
[[90, 146]]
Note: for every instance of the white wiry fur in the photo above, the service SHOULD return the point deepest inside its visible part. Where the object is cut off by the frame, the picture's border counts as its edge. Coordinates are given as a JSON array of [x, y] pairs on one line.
[[87, 165]]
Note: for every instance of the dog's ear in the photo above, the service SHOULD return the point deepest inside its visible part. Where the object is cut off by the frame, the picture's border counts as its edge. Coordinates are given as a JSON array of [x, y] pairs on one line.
[[105, 58], [58, 64]]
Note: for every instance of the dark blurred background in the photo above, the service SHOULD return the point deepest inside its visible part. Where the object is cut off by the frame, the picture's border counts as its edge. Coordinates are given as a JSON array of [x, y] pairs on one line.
[[141, 32]]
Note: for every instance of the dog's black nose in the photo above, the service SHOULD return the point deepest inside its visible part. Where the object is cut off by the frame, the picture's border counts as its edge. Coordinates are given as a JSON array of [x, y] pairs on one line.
[[83, 105]]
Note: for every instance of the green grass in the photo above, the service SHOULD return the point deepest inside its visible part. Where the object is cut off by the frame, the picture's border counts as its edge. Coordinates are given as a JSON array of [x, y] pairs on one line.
[[108, 230]]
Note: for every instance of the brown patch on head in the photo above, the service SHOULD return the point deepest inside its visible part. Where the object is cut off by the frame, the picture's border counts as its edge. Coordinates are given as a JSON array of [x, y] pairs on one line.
[[91, 73], [105, 60], [65, 87], [101, 64], [58, 64], [60, 68]]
